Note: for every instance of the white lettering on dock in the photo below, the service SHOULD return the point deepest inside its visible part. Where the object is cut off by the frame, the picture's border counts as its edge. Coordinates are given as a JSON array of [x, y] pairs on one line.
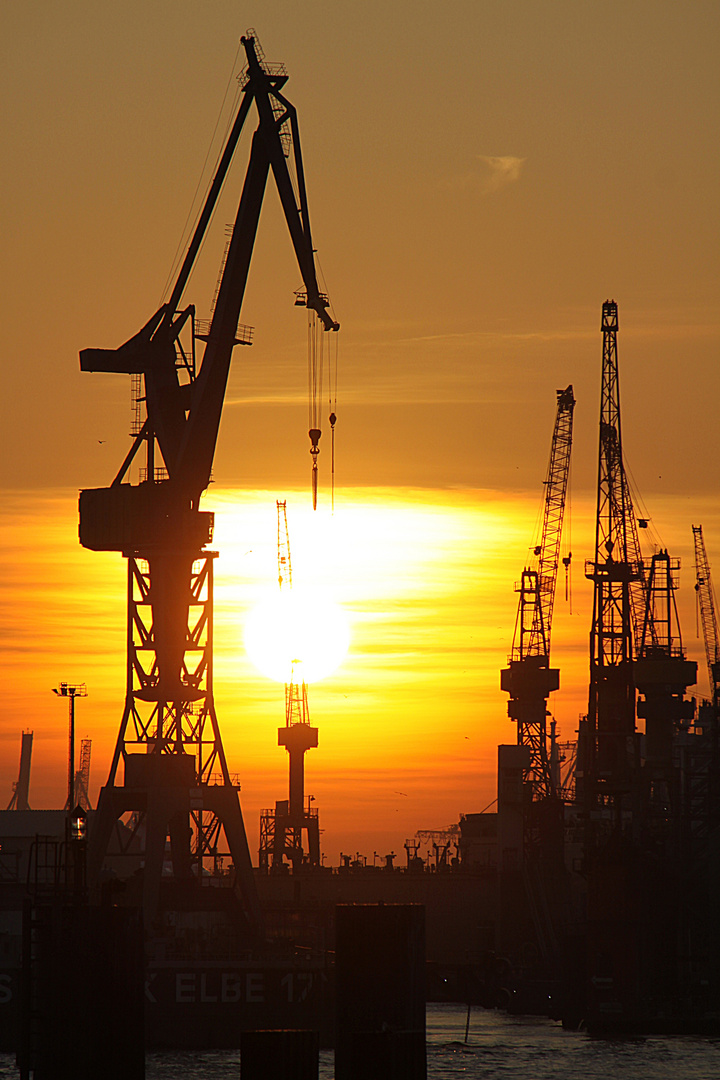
[[231, 987], [254, 988], [185, 988]]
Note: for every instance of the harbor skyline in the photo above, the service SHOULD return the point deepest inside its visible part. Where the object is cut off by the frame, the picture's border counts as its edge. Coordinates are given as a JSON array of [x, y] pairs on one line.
[[410, 721], [502, 172]]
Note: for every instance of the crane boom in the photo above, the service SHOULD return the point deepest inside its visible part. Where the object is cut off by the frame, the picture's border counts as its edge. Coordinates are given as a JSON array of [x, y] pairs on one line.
[[185, 419], [537, 591]]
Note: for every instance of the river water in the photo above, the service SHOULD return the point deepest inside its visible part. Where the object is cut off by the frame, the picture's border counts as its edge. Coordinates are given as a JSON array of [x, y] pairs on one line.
[[498, 1047]]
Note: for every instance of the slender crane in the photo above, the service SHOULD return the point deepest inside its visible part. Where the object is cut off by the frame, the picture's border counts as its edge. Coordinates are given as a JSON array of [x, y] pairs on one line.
[[281, 829], [529, 679], [704, 790], [177, 784], [708, 617], [21, 787], [82, 776]]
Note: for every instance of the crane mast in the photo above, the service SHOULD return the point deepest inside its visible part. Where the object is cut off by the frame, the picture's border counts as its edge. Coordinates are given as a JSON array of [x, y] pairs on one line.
[[529, 679], [176, 778]]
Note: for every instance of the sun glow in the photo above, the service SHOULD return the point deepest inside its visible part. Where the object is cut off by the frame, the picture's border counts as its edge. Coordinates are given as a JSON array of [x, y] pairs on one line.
[[298, 633]]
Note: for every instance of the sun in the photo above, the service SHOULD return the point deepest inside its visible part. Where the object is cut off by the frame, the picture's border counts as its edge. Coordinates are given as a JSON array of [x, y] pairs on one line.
[[298, 633]]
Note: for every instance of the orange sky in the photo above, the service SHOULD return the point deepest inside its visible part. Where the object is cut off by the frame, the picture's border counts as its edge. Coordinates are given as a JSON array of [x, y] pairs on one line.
[[481, 176], [410, 721]]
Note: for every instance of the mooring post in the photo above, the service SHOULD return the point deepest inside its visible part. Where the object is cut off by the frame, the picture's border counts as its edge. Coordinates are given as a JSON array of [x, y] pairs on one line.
[[380, 991]]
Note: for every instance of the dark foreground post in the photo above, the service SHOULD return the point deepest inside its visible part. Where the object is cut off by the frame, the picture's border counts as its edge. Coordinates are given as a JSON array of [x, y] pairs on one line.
[[279, 1055], [83, 984], [380, 992]]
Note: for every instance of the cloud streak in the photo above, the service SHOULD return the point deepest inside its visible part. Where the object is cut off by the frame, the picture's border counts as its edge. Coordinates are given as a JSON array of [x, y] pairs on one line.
[[499, 172], [488, 174]]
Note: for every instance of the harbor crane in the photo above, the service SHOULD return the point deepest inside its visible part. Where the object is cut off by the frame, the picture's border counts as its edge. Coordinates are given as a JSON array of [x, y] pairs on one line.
[[529, 679], [704, 793], [708, 617], [282, 828], [82, 777], [177, 786], [662, 676], [635, 641], [637, 791], [608, 748], [21, 787]]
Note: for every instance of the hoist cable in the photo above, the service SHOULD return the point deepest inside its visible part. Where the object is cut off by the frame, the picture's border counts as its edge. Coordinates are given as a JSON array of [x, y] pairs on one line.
[[188, 227], [332, 404]]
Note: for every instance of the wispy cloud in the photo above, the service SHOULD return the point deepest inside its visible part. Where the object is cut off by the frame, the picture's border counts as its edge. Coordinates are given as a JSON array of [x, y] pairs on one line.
[[498, 172], [487, 174]]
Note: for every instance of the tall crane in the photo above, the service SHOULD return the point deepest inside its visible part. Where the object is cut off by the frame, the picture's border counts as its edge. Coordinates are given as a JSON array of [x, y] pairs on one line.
[[609, 744], [662, 676], [281, 829], [704, 787], [177, 784], [708, 616], [21, 787], [529, 679], [82, 776]]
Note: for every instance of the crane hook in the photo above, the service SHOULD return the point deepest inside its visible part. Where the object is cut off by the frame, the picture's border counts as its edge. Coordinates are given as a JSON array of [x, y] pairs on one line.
[[314, 434]]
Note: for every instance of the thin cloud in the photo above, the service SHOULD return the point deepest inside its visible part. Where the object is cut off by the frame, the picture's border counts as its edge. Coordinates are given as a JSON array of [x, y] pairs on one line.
[[488, 175], [498, 172]]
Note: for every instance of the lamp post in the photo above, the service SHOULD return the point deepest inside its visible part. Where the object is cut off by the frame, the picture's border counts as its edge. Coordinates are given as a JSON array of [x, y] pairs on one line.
[[71, 691]]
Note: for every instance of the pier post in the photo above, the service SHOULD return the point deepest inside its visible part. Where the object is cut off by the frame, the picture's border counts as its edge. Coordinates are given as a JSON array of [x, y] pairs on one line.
[[380, 991], [279, 1055]]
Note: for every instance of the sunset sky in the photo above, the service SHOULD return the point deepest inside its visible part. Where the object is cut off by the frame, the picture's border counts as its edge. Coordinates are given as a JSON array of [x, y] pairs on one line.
[[481, 176]]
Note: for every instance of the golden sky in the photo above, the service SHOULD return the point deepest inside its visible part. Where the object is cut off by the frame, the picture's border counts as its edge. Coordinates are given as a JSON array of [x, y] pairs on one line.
[[408, 724], [481, 176]]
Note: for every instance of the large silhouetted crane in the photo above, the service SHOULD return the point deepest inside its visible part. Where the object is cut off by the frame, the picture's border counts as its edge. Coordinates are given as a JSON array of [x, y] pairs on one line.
[[635, 642], [177, 784], [529, 679], [610, 750]]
